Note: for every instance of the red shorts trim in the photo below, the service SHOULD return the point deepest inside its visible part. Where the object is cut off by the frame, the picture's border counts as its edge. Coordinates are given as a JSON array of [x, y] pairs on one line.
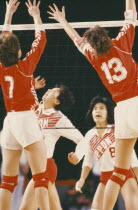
[[51, 170], [106, 175]]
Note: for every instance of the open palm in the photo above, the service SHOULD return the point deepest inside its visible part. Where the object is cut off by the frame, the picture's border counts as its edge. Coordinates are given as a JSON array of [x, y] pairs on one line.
[[56, 14]]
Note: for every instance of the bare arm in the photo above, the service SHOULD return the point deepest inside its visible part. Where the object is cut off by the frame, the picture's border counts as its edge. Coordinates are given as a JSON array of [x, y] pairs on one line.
[[84, 174], [130, 5], [60, 17], [11, 8]]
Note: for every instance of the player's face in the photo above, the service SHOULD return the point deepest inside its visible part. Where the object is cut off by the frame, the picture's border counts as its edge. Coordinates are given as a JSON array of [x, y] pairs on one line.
[[51, 96], [99, 113]]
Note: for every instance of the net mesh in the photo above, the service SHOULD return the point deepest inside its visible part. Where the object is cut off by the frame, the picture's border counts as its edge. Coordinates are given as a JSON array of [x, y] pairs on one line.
[[61, 62]]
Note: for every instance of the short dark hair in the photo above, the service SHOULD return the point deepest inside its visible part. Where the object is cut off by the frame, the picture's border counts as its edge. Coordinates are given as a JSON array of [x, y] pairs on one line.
[[65, 97], [98, 39], [109, 106], [9, 48]]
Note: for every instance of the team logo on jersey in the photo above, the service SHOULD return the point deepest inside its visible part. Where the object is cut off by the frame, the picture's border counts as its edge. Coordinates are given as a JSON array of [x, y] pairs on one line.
[[100, 145]]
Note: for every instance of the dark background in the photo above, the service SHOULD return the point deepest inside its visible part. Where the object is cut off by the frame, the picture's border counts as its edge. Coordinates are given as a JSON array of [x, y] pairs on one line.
[[62, 62]]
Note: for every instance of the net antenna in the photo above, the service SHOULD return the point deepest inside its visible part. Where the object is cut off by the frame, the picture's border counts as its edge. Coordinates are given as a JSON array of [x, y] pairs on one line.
[[74, 25]]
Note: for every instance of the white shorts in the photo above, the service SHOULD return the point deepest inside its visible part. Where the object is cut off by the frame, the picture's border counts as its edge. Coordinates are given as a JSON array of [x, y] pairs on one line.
[[20, 129], [126, 119]]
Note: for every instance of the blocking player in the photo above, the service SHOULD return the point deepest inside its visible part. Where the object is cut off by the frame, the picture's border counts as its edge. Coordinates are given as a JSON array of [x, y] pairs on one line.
[[113, 61], [21, 128]]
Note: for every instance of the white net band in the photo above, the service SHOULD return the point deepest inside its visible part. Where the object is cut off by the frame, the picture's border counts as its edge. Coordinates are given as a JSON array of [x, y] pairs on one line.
[[74, 25]]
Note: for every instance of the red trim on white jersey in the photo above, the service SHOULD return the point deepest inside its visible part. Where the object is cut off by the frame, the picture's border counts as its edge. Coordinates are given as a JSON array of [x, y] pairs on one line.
[[100, 145], [49, 121]]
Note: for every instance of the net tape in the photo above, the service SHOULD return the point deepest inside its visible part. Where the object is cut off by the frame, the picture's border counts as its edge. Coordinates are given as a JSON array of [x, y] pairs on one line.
[[74, 25]]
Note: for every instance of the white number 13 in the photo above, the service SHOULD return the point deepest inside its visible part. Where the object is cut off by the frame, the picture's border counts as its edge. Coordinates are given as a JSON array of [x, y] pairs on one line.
[[11, 80], [119, 68]]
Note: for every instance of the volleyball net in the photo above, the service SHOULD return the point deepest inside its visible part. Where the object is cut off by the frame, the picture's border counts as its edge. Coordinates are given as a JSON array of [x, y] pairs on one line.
[[61, 62], [74, 25]]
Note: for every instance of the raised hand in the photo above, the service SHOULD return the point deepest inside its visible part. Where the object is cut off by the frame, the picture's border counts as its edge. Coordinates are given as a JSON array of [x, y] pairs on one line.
[[39, 83], [79, 185], [12, 6], [33, 8], [73, 158], [56, 14]]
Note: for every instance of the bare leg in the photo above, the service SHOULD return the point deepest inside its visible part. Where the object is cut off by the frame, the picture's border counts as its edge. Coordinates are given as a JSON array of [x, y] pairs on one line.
[[123, 156], [97, 202], [130, 194], [53, 197], [10, 168], [36, 155], [28, 201]]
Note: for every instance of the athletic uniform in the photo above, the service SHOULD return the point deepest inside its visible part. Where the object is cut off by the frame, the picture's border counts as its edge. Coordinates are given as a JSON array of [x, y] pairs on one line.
[[104, 149], [119, 73], [54, 125], [21, 126]]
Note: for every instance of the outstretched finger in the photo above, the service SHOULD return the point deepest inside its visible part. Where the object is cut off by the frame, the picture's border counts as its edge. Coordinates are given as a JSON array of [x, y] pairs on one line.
[[52, 9], [42, 80], [50, 13], [14, 2], [27, 5], [51, 17], [34, 2], [37, 78], [30, 3], [38, 4], [17, 5], [11, 1], [6, 3], [63, 9], [55, 6]]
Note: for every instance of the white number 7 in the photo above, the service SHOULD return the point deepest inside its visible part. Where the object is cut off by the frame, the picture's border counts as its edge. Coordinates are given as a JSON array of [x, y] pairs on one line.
[[11, 80]]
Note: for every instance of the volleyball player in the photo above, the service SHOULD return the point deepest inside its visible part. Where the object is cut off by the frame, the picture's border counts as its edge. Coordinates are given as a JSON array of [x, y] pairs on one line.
[[113, 61], [54, 124], [100, 141], [21, 128]]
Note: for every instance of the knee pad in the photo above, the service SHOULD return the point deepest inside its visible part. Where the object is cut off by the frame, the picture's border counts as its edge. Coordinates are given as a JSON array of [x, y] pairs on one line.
[[41, 180], [9, 182], [118, 180]]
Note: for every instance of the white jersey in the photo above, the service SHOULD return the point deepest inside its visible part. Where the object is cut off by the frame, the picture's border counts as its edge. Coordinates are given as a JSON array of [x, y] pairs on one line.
[[54, 125], [104, 149]]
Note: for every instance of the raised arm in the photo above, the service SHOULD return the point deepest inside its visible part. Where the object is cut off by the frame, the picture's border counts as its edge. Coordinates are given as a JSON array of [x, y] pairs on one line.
[[34, 11], [29, 63], [60, 17], [11, 8], [130, 5]]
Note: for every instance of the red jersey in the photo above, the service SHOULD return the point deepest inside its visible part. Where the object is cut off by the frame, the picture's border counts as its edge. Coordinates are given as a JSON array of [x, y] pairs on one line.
[[117, 70], [17, 81]]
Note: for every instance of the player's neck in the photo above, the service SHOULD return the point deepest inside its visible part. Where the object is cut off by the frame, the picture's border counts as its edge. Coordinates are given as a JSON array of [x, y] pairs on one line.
[[48, 106], [101, 126]]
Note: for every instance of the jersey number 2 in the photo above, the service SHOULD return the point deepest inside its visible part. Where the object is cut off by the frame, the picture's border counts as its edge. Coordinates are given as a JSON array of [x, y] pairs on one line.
[[117, 69], [11, 80]]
